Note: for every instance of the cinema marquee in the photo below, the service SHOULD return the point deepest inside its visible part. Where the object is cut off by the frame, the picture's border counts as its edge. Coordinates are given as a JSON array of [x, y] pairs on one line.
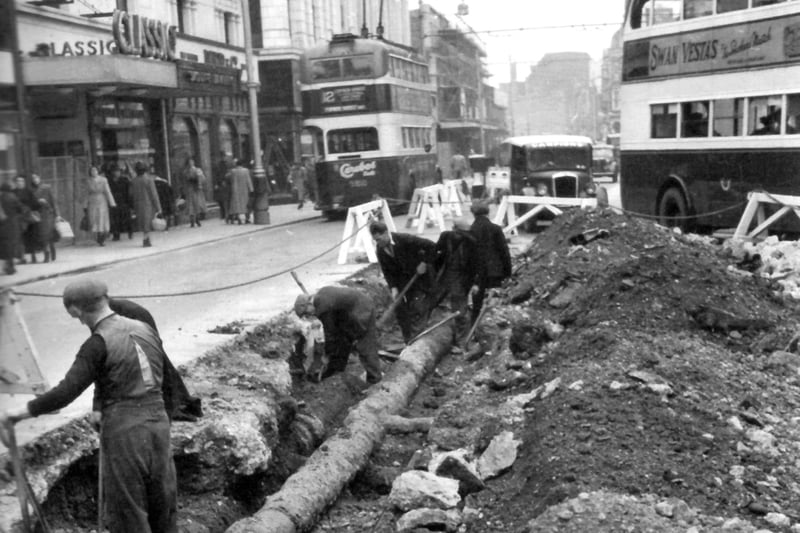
[[143, 37]]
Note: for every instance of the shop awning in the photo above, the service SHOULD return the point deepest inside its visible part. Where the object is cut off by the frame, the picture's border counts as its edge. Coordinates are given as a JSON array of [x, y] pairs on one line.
[[98, 71]]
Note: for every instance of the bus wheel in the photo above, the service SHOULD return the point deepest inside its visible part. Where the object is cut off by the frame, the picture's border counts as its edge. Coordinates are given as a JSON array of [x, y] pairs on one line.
[[673, 210]]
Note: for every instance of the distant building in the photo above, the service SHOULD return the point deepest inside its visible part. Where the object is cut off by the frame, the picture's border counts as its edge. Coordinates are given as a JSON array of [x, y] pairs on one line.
[[610, 79], [470, 119], [557, 97]]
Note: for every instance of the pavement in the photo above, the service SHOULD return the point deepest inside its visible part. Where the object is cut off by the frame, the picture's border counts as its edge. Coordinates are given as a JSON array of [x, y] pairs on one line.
[[85, 256]]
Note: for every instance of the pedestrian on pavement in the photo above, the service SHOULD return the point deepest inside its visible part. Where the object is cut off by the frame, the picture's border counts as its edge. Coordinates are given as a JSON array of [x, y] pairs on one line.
[[31, 243], [298, 177], [10, 233], [403, 256], [456, 261], [97, 204], [145, 201], [194, 192], [48, 210], [124, 359], [166, 197], [493, 257], [459, 166], [241, 185], [120, 186], [221, 186], [311, 173], [348, 319]]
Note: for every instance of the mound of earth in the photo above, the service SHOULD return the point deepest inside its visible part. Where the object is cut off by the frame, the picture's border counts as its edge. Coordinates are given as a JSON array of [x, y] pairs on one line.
[[647, 377]]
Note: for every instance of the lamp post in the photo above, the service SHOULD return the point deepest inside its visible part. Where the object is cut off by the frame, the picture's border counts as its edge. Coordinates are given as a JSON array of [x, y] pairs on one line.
[[261, 200]]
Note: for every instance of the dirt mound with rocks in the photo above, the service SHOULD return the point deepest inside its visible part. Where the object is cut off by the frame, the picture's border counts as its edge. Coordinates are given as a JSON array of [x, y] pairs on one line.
[[649, 380]]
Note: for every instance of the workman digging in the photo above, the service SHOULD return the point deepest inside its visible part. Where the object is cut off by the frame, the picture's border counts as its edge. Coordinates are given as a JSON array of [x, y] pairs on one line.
[[348, 320]]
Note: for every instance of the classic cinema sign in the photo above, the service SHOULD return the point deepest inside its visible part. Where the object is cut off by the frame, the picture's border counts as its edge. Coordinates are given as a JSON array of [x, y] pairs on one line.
[[143, 37]]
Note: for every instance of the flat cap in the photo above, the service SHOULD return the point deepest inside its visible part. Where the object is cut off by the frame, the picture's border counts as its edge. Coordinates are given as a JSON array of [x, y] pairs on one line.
[[85, 291], [462, 224], [479, 208], [301, 303]]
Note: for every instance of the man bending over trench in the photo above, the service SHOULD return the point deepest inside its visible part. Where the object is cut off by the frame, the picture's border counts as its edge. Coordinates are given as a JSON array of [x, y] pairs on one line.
[[348, 319], [124, 359]]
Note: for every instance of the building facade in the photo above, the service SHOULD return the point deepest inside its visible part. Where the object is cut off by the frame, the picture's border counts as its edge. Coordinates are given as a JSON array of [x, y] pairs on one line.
[[116, 82], [281, 32], [469, 118], [610, 80]]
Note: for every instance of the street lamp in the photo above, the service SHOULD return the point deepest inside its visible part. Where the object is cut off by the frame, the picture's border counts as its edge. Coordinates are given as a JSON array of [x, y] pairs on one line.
[[261, 201]]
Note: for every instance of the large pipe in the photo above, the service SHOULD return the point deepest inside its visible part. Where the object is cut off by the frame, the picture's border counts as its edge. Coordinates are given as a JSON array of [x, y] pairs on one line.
[[313, 488]]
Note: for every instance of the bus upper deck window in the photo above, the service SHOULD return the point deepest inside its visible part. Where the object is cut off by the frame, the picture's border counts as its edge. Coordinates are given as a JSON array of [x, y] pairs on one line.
[[664, 121], [793, 114], [728, 117], [765, 115], [723, 6], [666, 11], [326, 69], [694, 121], [697, 8], [358, 66]]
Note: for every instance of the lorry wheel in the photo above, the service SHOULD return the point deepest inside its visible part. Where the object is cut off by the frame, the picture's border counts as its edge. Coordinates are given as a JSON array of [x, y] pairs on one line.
[[673, 209]]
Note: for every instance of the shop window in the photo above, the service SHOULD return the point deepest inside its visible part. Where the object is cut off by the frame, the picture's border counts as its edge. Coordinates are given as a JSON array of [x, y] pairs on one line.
[[764, 115], [724, 6], [793, 114], [8, 156], [697, 8], [664, 121], [694, 119], [729, 117]]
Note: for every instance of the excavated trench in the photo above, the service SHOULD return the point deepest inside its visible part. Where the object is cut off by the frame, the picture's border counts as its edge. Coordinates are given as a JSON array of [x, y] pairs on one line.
[[215, 491]]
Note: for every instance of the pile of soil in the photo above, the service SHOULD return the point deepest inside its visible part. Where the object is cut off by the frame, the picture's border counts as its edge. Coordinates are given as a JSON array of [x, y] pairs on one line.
[[673, 406]]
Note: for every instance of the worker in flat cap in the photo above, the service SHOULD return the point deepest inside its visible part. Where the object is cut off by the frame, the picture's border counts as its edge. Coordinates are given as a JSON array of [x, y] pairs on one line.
[[456, 270], [124, 359], [493, 259], [348, 321]]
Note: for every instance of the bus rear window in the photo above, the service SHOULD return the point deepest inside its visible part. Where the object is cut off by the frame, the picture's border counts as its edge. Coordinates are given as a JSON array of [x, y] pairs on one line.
[[352, 140], [664, 121]]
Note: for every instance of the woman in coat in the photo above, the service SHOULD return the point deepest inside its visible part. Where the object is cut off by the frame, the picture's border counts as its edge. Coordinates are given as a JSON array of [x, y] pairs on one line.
[[98, 201], [9, 226], [48, 210], [194, 192]]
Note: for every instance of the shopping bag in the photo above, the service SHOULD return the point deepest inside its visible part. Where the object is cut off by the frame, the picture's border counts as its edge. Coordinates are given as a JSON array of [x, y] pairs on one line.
[[159, 223], [63, 229]]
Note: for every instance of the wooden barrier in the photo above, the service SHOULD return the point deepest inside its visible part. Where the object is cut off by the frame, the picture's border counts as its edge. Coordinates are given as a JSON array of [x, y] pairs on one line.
[[755, 209], [426, 205], [356, 236], [452, 198], [20, 372], [541, 203]]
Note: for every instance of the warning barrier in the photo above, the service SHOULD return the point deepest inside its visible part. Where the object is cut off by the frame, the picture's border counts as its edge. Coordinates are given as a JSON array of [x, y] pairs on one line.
[[755, 209], [452, 198], [541, 203], [20, 372], [358, 220], [426, 205]]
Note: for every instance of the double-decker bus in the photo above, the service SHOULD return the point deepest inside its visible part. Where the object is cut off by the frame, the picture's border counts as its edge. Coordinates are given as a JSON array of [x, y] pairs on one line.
[[710, 107], [368, 121]]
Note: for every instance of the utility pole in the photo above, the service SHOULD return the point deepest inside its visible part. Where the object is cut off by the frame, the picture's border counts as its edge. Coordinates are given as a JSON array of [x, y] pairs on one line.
[[481, 106], [261, 203]]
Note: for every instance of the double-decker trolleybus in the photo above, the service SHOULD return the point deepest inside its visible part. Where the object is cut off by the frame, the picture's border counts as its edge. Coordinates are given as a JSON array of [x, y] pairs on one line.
[[710, 110], [368, 121]]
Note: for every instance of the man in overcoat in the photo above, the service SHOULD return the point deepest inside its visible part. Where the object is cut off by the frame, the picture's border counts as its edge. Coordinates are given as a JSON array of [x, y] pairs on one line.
[[121, 213], [241, 185], [402, 256], [145, 201], [348, 320], [492, 254]]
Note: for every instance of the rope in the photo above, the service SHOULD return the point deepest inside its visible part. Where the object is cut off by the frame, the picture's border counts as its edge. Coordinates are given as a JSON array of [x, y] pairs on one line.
[[224, 287], [681, 217]]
